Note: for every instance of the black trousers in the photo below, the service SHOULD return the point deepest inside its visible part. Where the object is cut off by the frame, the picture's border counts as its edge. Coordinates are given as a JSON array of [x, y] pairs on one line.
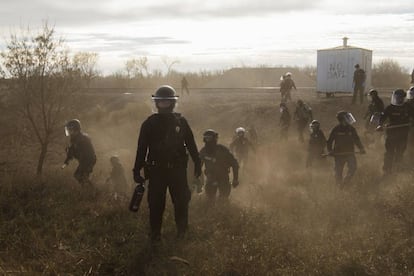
[[358, 89], [395, 145], [175, 179], [222, 185], [82, 173], [340, 162]]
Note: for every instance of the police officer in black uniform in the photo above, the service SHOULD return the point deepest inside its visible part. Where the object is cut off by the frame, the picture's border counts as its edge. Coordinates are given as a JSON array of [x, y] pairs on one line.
[[241, 146], [217, 160], [375, 108], [341, 143], [284, 121], [317, 143], [359, 84], [303, 116], [396, 134], [81, 149], [164, 139]]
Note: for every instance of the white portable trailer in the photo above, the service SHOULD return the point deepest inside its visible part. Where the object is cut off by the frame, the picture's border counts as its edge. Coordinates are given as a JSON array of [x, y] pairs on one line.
[[336, 66]]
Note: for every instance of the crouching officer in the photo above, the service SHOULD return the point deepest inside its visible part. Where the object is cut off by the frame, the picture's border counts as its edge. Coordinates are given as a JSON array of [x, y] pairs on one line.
[[317, 143], [398, 116], [217, 160], [341, 143], [81, 149], [164, 139]]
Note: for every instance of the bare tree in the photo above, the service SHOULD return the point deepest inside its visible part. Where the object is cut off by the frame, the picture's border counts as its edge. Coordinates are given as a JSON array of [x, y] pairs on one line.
[[86, 63], [135, 67], [42, 80], [169, 63], [389, 73]]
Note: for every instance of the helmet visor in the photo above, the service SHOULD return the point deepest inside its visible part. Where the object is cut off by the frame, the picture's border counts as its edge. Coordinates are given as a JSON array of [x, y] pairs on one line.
[[410, 93], [349, 118], [397, 99]]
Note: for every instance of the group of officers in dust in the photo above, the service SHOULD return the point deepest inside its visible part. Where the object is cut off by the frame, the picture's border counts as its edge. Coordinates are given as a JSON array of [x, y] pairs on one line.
[[166, 139]]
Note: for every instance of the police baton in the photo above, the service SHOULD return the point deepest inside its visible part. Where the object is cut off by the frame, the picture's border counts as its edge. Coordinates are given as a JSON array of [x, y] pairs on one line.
[[379, 128]]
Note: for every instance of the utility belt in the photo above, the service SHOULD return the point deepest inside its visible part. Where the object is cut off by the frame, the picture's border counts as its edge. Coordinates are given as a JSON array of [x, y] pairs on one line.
[[167, 164]]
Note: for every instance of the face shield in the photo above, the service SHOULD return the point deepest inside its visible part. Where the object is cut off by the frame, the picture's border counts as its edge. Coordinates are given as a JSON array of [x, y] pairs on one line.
[[349, 119], [164, 105], [397, 99], [410, 93]]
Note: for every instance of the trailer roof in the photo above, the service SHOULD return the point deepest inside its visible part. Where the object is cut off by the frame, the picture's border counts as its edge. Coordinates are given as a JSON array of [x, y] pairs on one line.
[[348, 47]]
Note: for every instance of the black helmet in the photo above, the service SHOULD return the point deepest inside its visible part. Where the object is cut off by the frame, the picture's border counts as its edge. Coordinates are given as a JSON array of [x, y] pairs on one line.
[[165, 92], [397, 97], [210, 135], [373, 93], [283, 105], [299, 102], [356, 65], [72, 125]]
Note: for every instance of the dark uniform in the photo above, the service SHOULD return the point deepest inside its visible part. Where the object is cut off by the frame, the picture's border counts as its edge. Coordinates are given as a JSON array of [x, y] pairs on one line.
[[340, 144], [410, 104], [316, 147], [218, 162], [163, 143], [117, 177], [359, 82], [81, 149], [396, 134], [284, 121], [286, 86], [303, 116], [241, 146], [375, 108]]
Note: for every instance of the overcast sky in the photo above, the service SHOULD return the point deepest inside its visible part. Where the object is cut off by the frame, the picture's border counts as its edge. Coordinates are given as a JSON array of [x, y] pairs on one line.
[[219, 34]]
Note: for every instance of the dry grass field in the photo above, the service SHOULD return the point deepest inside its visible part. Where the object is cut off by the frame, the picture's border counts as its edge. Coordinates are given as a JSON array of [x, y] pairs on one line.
[[283, 219]]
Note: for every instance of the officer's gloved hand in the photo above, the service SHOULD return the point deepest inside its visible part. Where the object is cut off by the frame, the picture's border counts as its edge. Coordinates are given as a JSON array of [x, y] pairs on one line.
[[235, 183], [197, 170], [379, 128], [63, 166], [138, 178]]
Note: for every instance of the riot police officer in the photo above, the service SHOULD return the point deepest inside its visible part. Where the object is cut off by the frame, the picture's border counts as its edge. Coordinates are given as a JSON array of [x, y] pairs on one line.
[[81, 149], [164, 139], [241, 146], [398, 116], [284, 122], [317, 143], [303, 116], [340, 145], [375, 108], [217, 160]]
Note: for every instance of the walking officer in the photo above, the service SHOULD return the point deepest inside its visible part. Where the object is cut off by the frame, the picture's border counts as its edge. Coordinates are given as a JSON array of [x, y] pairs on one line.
[[317, 143], [340, 144], [217, 160], [164, 139], [396, 134]]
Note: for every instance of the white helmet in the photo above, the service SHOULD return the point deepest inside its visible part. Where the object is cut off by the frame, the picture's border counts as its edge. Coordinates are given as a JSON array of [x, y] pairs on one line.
[[288, 74], [240, 131]]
